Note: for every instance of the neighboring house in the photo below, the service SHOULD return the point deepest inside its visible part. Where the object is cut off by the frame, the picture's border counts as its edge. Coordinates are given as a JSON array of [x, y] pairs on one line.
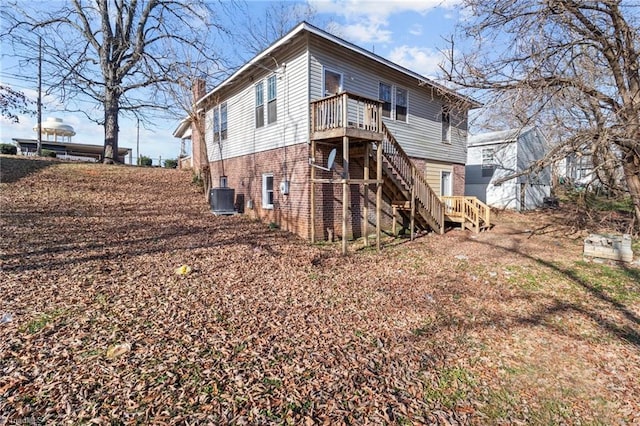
[[310, 94], [576, 169], [183, 132], [496, 155]]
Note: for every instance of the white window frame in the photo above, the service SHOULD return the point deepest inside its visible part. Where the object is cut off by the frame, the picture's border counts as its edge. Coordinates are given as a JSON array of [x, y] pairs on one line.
[[272, 118], [220, 127], [446, 125], [393, 107], [489, 160], [395, 103], [259, 106], [265, 191], [324, 86], [380, 83]]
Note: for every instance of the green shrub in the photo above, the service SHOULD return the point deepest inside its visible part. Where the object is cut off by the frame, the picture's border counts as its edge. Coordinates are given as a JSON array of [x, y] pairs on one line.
[[7, 148], [48, 153], [170, 164], [145, 161], [197, 180]]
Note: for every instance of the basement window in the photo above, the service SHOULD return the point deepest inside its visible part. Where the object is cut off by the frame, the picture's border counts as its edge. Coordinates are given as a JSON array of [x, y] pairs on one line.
[[267, 191]]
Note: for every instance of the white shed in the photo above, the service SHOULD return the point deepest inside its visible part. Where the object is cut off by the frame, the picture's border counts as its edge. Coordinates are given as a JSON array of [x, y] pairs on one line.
[[495, 155]]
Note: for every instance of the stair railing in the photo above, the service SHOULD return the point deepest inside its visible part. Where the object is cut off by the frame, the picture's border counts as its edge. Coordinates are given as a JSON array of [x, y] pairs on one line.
[[430, 206]]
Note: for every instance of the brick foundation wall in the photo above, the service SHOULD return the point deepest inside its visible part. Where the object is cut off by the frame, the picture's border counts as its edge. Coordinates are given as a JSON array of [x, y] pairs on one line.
[[458, 179], [244, 174], [329, 199], [292, 212]]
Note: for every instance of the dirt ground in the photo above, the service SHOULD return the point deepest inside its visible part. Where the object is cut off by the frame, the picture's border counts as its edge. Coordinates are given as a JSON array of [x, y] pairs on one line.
[[509, 326]]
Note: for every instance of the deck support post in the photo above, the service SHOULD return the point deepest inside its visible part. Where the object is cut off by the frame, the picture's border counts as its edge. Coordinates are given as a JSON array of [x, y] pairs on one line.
[[365, 207], [378, 194], [312, 194], [413, 202], [395, 219], [345, 191]]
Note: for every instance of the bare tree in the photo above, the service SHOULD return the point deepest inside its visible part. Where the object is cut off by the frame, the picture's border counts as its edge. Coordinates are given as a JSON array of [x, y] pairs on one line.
[[576, 62], [13, 102], [120, 54], [256, 32]]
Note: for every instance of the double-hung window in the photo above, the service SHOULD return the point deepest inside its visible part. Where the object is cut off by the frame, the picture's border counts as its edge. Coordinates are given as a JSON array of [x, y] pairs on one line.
[[272, 97], [223, 121], [446, 126], [395, 101], [216, 124], [259, 104], [384, 94], [267, 190], [401, 104], [488, 161], [220, 122]]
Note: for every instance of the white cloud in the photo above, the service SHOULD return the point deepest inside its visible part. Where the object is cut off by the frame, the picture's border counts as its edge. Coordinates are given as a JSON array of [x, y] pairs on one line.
[[367, 21], [423, 60], [363, 32], [379, 10], [416, 30]]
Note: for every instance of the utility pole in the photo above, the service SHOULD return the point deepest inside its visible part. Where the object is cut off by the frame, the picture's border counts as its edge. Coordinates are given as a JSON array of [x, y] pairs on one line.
[[138, 144], [39, 146]]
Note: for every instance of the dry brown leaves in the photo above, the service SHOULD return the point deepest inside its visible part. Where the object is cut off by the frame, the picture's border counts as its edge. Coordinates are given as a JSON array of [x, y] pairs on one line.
[[266, 329]]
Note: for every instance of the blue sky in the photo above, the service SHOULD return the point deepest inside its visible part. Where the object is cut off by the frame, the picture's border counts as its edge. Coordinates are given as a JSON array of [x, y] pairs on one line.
[[409, 33]]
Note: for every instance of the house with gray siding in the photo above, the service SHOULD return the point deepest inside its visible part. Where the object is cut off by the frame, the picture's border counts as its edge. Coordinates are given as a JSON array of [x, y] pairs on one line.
[[495, 156], [397, 139]]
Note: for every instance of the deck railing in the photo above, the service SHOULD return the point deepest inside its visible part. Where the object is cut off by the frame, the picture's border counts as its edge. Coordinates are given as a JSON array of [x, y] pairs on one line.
[[429, 204], [346, 110], [470, 209]]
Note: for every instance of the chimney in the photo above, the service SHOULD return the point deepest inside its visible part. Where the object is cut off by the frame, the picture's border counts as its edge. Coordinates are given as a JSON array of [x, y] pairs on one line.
[[198, 89], [198, 147]]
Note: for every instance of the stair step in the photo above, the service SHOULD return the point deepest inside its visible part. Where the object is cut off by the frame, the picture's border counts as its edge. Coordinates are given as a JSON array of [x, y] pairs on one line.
[[401, 204]]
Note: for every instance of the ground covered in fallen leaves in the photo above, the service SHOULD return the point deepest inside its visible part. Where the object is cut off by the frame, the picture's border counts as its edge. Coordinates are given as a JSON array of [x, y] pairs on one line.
[[97, 326]]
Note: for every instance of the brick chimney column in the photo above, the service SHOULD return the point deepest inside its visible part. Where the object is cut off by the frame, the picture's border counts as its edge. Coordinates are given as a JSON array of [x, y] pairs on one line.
[[198, 148]]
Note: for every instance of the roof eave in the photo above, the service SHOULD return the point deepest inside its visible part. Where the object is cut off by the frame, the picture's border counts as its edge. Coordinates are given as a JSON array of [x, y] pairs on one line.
[[182, 127], [304, 26]]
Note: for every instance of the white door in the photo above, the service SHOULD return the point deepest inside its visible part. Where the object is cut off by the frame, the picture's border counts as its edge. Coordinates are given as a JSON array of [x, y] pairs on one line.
[[445, 183]]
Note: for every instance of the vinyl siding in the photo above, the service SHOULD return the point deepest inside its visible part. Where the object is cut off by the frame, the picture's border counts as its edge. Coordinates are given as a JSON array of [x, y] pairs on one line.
[[292, 125], [531, 147], [433, 173], [421, 135]]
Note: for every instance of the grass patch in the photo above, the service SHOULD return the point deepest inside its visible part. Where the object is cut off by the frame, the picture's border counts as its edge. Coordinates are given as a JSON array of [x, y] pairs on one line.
[[41, 321], [452, 386], [618, 283]]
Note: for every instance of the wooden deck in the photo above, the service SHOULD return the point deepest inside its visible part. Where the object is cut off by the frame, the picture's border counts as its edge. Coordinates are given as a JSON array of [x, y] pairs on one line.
[[346, 118]]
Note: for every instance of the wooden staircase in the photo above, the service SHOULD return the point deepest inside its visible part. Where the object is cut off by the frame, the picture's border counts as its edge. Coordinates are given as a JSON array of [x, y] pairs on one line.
[[469, 212], [409, 192], [356, 122]]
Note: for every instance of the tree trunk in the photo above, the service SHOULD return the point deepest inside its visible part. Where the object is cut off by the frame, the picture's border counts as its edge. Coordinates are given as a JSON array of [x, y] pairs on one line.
[[111, 129], [631, 167]]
